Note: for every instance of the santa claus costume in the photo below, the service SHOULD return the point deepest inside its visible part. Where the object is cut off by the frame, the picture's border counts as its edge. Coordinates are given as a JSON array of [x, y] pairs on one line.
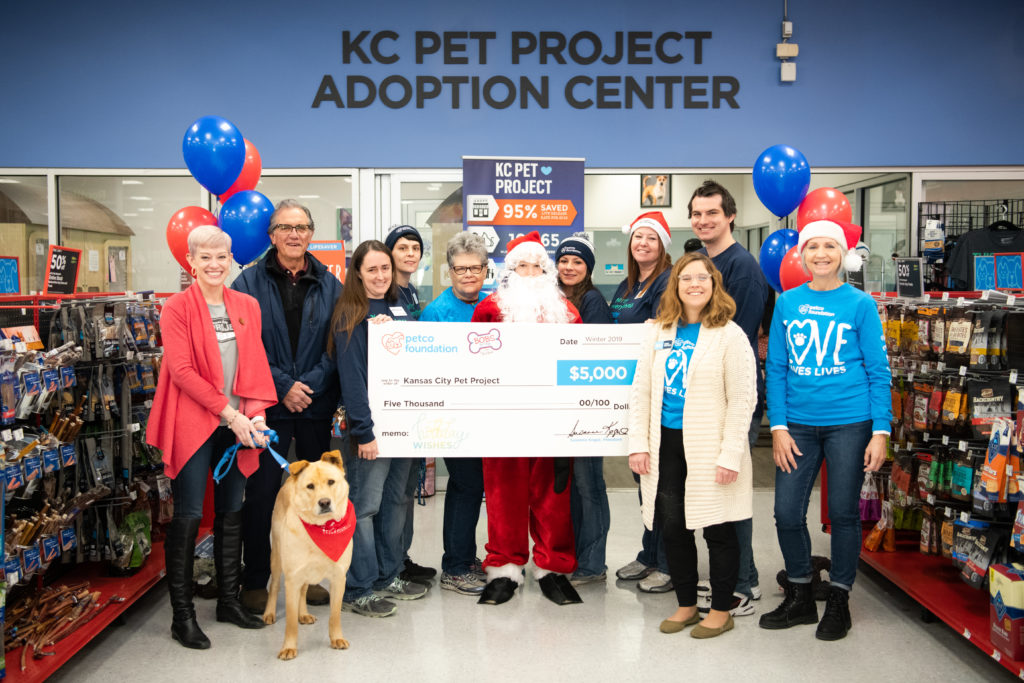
[[528, 496]]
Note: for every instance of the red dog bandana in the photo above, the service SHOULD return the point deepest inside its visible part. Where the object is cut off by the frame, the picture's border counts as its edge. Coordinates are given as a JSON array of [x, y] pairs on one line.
[[333, 537]]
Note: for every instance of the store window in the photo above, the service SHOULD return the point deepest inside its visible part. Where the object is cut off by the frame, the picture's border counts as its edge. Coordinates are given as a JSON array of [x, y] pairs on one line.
[[328, 198], [23, 225], [434, 208], [886, 231]]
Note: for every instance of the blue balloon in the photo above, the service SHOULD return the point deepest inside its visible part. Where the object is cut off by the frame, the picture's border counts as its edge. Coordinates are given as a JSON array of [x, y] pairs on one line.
[[773, 251], [214, 152], [781, 179], [246, 217]]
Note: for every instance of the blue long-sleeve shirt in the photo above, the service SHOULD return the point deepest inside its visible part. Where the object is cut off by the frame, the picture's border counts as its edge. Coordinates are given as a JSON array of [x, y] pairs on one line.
[[827, 363], [594, 309], [350, 354], [448, 308]]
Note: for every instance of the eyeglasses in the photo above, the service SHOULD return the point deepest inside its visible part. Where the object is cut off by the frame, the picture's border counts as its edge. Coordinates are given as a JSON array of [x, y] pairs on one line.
[[299, 229], [699, 277], [462, 270]]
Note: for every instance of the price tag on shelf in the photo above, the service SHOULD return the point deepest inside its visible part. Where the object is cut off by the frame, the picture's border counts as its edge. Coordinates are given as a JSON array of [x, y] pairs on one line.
[[135, 427], [149, 403], [940, 366], [6, 435], [945, 296], [1013, 376], [965, 517], [967, 633], [962, 445], [19, 434], [926, 436], [910, 377], [20, 347], [931, 499], [996, 655], [945, 439], [959, 301], [963, 370]]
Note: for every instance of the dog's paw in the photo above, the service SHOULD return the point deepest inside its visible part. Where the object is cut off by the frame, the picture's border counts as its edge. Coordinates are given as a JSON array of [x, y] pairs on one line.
[[287, 653], [307, 619], [269, 618], [339, 643]]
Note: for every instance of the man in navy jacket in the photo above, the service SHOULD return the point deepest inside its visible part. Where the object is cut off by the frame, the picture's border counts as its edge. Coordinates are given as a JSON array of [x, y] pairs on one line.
[[296, 294]]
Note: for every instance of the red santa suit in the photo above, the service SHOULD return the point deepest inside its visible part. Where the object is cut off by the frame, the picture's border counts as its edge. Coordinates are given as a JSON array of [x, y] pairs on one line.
[[520, 492]]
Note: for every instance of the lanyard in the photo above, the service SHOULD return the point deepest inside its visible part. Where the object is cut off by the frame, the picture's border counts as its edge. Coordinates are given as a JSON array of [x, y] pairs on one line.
[[228, 459]]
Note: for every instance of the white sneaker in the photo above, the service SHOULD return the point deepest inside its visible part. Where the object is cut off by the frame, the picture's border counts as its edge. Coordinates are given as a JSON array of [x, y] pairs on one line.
[[741, 605], [655, 582]]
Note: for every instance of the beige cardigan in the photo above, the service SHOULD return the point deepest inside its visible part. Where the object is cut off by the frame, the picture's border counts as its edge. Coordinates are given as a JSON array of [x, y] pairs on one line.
[[721, 394]]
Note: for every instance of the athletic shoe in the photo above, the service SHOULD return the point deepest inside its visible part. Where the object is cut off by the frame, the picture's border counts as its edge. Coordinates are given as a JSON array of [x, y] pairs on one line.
[[656, 582], [371, 605], [464, 584], [417, 573], [400, 589], [634, 571], [755, 592], [582, 579], [741, 605]]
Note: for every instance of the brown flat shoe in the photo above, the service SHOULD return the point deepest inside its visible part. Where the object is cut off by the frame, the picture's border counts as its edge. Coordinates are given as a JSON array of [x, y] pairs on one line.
[[702, 631], [669, 626]]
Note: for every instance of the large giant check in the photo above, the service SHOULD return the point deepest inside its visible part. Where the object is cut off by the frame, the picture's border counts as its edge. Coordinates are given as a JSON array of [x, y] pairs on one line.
[[501, 389]]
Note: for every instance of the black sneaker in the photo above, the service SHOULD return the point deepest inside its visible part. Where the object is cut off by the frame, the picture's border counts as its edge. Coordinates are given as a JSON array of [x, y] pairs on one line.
[[835, 623], [417, 573]]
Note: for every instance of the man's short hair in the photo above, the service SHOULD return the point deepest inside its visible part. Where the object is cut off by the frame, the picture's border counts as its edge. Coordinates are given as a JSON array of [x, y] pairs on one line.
[[709, 188], [288, 204]]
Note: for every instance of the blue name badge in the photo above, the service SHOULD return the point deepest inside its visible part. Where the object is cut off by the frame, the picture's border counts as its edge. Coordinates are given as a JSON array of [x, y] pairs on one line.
[[68, 457], [595, 372], [33, 468], [51, 461], [68, 539]]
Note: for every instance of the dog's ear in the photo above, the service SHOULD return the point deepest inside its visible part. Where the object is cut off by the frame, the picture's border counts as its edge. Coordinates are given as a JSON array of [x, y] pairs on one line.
[[333, 457], [297, 467]]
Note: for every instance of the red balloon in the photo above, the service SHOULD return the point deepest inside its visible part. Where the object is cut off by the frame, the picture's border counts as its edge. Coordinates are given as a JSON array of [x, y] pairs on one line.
[[791, 270], [822, 204], [250, 175], [180, 225]]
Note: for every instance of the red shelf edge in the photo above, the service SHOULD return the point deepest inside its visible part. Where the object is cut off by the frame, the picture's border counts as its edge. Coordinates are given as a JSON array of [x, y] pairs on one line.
[[934, 583], [129, 587]]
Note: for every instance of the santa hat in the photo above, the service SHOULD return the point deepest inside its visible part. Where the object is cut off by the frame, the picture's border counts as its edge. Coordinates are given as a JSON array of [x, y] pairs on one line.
[[577, 245], [655, 220], [525, 247], [845, 234]]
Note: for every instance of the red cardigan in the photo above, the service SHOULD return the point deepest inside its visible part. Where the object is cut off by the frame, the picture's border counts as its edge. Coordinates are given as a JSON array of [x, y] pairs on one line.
[[186, 409]]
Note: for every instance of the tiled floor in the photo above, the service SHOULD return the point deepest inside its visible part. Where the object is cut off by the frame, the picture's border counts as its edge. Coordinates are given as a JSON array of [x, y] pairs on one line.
[[613, 636]]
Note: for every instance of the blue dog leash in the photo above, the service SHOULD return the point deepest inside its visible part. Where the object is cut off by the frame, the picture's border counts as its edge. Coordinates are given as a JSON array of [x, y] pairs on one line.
[[228, 459]]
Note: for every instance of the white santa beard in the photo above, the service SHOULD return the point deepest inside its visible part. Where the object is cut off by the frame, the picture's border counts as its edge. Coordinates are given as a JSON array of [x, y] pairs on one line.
[[532, 299]]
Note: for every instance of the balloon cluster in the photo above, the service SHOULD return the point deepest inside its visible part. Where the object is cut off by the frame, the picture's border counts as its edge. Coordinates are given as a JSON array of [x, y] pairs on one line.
[[782, 177], [229, 166]]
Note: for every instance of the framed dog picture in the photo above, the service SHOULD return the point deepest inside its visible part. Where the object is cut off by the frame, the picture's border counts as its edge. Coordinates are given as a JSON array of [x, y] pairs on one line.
[[656, 190]]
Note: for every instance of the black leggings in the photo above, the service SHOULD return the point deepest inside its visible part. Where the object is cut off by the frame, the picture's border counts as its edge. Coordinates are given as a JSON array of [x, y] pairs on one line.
[[680, 548]]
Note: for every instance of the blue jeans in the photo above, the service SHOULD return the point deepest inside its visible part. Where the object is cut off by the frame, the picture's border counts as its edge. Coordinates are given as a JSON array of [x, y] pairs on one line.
[[189, 487], [745, 530], [377, 491], [842, 448], [591, 517], [461, 513], [411, 488], [652, 547]]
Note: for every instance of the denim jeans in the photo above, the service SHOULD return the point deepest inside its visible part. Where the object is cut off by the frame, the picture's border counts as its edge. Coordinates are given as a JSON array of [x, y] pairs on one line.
[[412, 486], [745, 530], [312, 439], [591, 517], [189, 487], [461, 513], [652, 547], [842, 448], [380, 519]]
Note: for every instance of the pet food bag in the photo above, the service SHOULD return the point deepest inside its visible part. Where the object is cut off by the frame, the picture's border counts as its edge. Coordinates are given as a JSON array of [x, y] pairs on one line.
[[1006, 608]]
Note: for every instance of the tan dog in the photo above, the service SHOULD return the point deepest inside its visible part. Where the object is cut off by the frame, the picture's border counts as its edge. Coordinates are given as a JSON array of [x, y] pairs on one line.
[[654, 190], [312, 504]]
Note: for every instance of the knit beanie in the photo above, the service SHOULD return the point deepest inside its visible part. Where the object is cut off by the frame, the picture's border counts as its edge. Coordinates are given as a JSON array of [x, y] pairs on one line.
[[406, 231], [577, 245]]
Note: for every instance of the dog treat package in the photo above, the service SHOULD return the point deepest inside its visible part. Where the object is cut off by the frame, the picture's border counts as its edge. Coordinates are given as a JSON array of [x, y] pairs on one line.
[[922, 395], [1006, 608], [926, 316], [908, 333], [925, 474], [929, 543], [908, 405], [963, 476], [1013, 329], [935, 406], [963, 539], [893, 327], [870, 503], [938, 335], [896, 393], [958, 339], [996, 353], [979, 340], [989, 400], [955, 395], [996, 468], [980, 554], [1017, 535], [876, 537], [946, 534]]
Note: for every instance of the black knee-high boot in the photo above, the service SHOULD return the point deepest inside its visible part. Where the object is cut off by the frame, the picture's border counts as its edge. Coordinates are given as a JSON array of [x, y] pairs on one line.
[[179, 556], [227, 555]]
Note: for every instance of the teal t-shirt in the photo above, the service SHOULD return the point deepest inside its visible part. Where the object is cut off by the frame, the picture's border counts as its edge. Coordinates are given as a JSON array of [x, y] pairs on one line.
[[676, 366]]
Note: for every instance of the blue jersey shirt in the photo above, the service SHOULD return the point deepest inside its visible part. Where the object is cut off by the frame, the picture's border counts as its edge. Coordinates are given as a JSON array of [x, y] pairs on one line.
[[676, 366], [448, 308], [637, 305]]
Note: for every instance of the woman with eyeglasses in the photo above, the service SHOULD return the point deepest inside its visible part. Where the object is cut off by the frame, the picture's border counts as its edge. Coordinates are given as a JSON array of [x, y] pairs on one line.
[[689, 414], [460, 570], [591, 516]]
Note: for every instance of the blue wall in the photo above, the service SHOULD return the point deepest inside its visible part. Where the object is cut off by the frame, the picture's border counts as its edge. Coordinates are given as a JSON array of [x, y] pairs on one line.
[[116, 83]]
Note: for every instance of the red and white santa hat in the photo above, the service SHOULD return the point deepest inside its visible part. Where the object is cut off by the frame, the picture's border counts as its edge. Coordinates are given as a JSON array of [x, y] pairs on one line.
[[525, 247], [655, 220], [845, 234]]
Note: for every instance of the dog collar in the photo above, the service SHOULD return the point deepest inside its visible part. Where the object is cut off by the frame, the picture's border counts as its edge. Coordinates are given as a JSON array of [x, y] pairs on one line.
[[334, 536]]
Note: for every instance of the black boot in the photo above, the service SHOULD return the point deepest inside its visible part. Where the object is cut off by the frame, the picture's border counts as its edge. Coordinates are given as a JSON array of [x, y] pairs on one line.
[[835, 622], [179, 556], [797, 608], [227, 555]]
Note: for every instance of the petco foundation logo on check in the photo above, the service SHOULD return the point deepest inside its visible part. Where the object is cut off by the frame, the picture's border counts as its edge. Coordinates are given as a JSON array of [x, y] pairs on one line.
[[807, 309], [396, 342]]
